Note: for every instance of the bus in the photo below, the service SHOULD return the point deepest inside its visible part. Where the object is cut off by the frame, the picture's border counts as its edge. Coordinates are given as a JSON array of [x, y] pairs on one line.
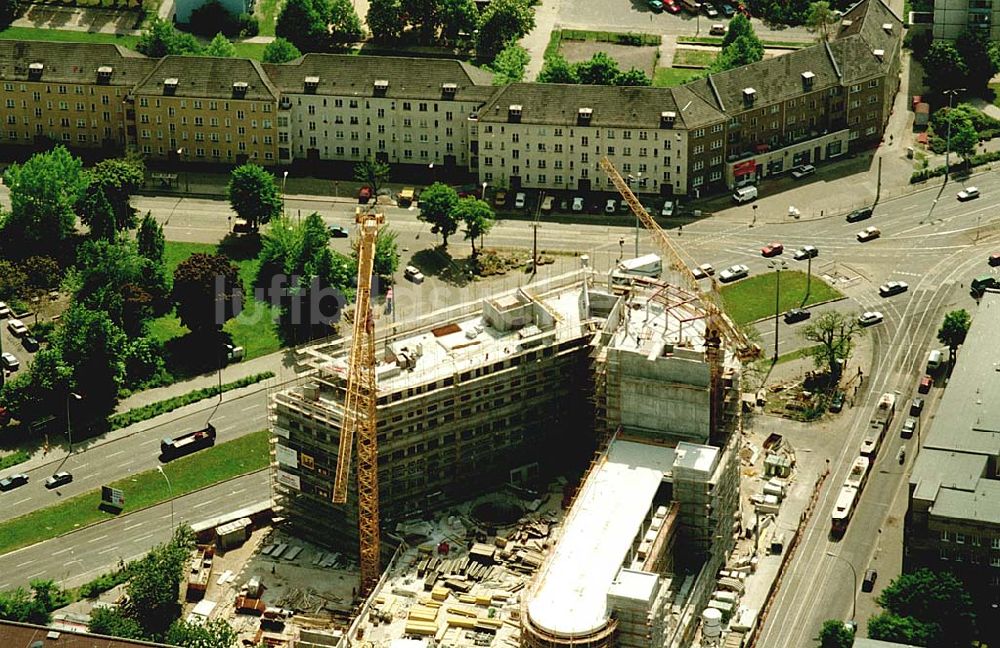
[[859, 473], [847, 500]]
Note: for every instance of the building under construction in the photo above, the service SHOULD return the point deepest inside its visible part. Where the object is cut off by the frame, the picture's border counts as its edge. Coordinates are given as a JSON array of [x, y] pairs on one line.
[[513, 388]]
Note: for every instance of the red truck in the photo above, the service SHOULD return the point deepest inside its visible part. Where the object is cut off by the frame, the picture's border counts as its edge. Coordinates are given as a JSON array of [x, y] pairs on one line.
[[171, 448]]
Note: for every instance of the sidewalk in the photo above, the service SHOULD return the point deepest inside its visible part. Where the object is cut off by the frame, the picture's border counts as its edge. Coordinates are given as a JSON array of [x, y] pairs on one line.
[[546, 14]]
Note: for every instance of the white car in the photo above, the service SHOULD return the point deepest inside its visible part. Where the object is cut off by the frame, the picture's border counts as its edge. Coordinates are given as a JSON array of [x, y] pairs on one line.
[[519, 200], [610, 207], [869, 234], [9, 361], [805, 252], [577, 204], [413, 274], [668, 209], [891, 288], [4, 310], [968, 193], [803, 171], [17, 328], [870, 317], [704, 270], [732, 273]]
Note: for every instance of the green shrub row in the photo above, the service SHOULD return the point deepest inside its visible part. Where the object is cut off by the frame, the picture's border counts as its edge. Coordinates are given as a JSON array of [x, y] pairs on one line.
[[13, 459], [976, 160], [103, 583], [609, 37], [152, 410]]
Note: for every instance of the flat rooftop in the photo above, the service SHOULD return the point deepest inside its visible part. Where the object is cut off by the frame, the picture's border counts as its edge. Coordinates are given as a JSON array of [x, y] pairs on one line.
[[570, 597], [662, 314]]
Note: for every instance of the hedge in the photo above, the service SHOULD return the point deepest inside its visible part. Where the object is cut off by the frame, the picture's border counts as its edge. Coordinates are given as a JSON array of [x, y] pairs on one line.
[[13, 459], [974, 161]]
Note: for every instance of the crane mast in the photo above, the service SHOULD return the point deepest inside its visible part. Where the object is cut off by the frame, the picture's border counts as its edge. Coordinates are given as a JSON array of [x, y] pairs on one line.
[[359, 421]]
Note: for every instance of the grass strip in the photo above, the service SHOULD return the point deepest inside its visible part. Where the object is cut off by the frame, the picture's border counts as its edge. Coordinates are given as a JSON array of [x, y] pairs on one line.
[[142, 490], [66, 36], [631, 38], [752, 299], [798, 353], [665, 77], [14, 458], [153, 410]]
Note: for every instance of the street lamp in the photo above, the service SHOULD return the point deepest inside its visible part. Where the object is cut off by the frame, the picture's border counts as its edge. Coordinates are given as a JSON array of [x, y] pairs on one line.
[[947, 149], [170, 489], [71, 396], [284, 179], [854, 573], [777, 266]]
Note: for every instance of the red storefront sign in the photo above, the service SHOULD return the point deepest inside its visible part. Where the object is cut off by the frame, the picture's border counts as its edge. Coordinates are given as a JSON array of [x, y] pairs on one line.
[[745, 167]]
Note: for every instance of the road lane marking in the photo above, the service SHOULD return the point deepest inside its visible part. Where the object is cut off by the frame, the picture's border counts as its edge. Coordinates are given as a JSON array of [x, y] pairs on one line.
[[133, 526], [27, 562], [116, 454], [228, 427], [62, 551], [34, 575], [109, 549], [237, 492], [97, 539], [125, 465], [150, 442], [143, 537], [26, 499], [205, 503]]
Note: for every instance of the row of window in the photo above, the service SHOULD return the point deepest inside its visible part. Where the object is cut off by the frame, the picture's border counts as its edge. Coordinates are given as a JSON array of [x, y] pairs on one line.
[[200, 137], [974, 540], [63, 105], [81, 138], [197, 104], [200, 121], [61, 89], [201, 153], [975, 558]]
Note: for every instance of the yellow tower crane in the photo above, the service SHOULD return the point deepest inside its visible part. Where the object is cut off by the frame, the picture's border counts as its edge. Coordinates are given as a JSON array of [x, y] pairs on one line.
[[718, 324], [359, 418]]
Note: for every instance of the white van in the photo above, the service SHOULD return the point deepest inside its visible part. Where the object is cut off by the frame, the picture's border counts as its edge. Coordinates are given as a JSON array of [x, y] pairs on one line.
[[745, 194], [933, 360]]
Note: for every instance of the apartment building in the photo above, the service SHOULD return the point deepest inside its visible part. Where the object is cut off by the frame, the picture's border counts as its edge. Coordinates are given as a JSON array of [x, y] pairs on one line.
[[67, 93], [206, 109], [952, 17], [953, 515], [394, 109]]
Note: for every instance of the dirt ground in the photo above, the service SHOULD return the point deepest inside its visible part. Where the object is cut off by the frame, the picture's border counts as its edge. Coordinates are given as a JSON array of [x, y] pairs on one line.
[[628, 56]]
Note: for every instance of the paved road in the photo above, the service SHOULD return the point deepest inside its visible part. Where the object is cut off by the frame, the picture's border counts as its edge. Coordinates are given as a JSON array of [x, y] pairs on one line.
[[106, 462], [78, 557]]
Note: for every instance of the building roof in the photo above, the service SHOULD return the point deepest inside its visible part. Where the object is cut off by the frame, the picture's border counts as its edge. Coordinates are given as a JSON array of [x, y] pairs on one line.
[[865, 642], [24, 635], [209, 77], [872, 26], [408, 78], [72, 62], [979, 505], [598, 533]]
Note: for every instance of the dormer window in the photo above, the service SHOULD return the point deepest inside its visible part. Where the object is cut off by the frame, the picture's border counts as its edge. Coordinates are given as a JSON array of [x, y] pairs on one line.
[[104, 74], [879, 54], [668, 118], [583, 115], [170, 86], [240, 89], [749, 96], [381, 86], [514, 113], [35, 70], [311, 83], [807, 80], [448, 90]]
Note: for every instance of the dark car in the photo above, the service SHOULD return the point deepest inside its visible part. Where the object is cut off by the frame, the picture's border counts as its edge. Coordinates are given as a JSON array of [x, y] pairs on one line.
[[336, 231], [797, 315], [364, 194], [868, 584], [916, 406], [909, 425], [925, 385], [859, 214], [994, 259], [29, 343], [59, 479], [727, 10], [837, 402], [12, 482]]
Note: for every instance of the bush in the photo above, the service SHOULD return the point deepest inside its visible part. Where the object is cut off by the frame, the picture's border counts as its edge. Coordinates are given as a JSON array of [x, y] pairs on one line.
[[974, 161], [918, 41], [249, 25], [13, 459], [212, 18], [103, 583]]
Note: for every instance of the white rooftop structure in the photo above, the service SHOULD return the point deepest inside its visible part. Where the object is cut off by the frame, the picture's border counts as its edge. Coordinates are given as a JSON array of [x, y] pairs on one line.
[[571, 593]]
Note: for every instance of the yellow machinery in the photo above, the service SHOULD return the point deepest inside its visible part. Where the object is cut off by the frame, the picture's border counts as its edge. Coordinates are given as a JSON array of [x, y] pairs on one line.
[[718, 325], [359, 410]]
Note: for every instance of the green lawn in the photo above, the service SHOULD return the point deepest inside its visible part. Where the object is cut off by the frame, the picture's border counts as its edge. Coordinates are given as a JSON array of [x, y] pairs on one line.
[[250, 50], [267, 14], [65, 36], [753, 298], [798, 353], [717, 40], [142, 490], [701, 58], [665, 77]]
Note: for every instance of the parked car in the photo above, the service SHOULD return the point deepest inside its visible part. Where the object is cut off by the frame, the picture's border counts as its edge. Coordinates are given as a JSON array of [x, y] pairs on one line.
[[413, 274], [709, 10], [656, 6], [668, 209], [17, 328], [577, 204], [994, 260], [837, 402], [859, 214], [868, 584], [772, 249], [500, 198], [718, 29], [925, 385], [547, 204], [869, 233], [29, 343], [727, 10], [672, 7], [13, 481], [364, 194], [802, 171], [337, 231], [520, 200], [704, 270], [61, 478], [4, 309], [805, 252], [869, 318], [9, 361], [891, 288], [909, 425], [734, 272], [968, 194], [797, 315], [916, 406], [610, 206]]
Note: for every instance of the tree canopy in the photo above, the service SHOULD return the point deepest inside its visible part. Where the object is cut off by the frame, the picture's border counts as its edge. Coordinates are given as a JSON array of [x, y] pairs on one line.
[[221, 47], [835, 634], [43, 194], [385, 19], [501, 22], [11, 9], [600, 69], [477, 216], [820, 18], [254, 194], [345, 25], [372, 173], [207, 292], [280, 50], [943, 66], [215, 633], [149, 239], [925, 608], [740, 46], [834, 334], [161, 39], [437, 207], [305, 24], [92, 346], [119, 179], [509, 65], [953, 330]]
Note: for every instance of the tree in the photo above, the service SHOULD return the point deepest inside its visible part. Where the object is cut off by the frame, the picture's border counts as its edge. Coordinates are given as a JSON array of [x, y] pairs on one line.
[[280, 50], [149, 239], [887, 626], [963, 139], [92, 345], [477, 216], [207, 292], [834, 634], [457, 17], [344, 22], [980, 56], [937, 603], [437, 207], [834, 334], [212, 18], [601, 69], [96, 213], [19, 605], [386, 253], [373, 173], [633, 77], [385, 19], [216, 633], [112, 622], [220, 47], [943, 66], [43, 193], [739, 25], [254, 194], [161, 39], [953, 330], [509, 65], [143, 361], [10, 10], [154, 584], [30, 395], [41, 272], [304, 23], [557, 70], [12, 280], [119, 179], [820, 18], [742, 51], [501, 22]]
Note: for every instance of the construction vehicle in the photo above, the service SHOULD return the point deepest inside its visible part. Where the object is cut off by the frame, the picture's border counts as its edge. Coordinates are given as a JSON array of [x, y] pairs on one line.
[[359, 418], [171, 448], [718, 325]]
